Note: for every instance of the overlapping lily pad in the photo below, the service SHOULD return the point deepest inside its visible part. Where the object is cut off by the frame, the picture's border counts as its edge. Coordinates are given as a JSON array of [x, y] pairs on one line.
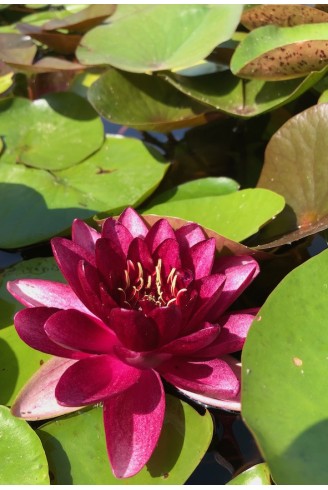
[[83, 20], [185, 437], [250, 208], [296, 167], [285, 365], [51, 133], [184, 34], [144, 102], [256, 475], [23, 461], [279, 53], [110, 180]]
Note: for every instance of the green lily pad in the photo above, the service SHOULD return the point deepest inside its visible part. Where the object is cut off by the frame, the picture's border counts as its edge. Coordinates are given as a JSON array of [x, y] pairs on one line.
[[243, 98], [208, 186], [185, 438], [51, 133], [295, 166], [256, 475], [284, 395], [109, 180], [279, 53], [6, 81], [282, 15], [143, 102], [23, 461], [43, 268], [170, 36], [236, 216]]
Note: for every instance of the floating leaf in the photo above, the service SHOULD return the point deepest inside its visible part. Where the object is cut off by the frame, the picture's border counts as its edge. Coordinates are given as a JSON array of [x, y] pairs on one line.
[[243, 98], [60, 42], [16, 48], [185, 437], [184, 34], [109, 180], [256, 475], [83, 20], [23, 461], [209, 186], [284, 395], [143, 102], [51, 133], [236, 216], [296, 167], [6, 82], [278, 53], [282, 15]]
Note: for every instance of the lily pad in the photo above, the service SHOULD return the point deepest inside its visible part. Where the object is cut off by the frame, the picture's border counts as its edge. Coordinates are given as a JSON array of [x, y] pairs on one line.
[[284, 396], [144, 102], [110, 180], [185, 438], [243, 98], [184, 34], [280, 53], [296, 167], [282, 15], [16, 48], [23, 461], [256, 475], [58, 41], [51, 133], [236, 216], [83, 20]]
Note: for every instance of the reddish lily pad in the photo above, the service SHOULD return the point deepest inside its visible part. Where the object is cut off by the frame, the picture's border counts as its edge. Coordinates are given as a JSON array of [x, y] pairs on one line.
[[184, 34], [16, 48], [185, 438], [281, 53], [83, 20], [282, 15], [144, 102], [295, 166], [23, 460], [284, 362], [60, 42]]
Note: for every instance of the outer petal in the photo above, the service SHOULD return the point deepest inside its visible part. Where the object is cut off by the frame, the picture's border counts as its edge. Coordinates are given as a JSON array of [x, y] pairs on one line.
[[84, 235], [37, 401], [189, 344], [133, 222], [38, 292], [133, 421], [189, 235], [213, 378], [118, 234], [30, 323], [75, 330], [202, 258], [239, 272], [159, 232], [142, 360], [94, 379], [136, 331], [232, 337]]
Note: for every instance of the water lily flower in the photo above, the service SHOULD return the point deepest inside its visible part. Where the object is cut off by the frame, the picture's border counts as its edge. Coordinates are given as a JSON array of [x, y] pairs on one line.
[[142, 304]]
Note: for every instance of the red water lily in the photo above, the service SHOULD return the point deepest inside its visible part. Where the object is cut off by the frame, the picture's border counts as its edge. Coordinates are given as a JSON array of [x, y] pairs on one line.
[[142, 304]]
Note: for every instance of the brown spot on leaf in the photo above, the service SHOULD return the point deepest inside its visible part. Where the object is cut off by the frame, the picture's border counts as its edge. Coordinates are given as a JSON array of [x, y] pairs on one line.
[[282, 15], [297, 361], [101, 170]]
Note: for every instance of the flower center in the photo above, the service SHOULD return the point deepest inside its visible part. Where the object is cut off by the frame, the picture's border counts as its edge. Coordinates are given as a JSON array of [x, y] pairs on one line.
[[141, 287]]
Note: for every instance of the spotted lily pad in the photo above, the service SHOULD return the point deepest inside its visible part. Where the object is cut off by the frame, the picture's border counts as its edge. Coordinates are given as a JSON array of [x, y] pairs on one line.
[[184, 34], [185, 438]]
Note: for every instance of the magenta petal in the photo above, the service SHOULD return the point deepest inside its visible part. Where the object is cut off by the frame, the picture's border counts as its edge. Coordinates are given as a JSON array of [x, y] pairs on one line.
[[38, 292], [89, 283], [118, 234], [169, 253], [30, 323], [110, 262], [133, 222], [213, 378], [189, 235], [134, 329], [139, 252], [194, 342], [133, 421], [141, 360], [239, 272], [202, 258], [37, 401], [94, 379], [168, 320], [159, 232], [232, 337], [84, 235], [77, 331]]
